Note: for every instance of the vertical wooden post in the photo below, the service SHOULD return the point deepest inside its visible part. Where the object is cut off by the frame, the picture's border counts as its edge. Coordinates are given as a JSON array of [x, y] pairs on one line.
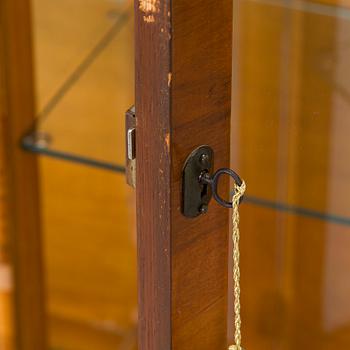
[[183, 99], [20, 173]]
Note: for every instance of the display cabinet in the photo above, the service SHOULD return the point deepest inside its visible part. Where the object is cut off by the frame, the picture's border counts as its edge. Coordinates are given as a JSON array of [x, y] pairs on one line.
[[264, 83]]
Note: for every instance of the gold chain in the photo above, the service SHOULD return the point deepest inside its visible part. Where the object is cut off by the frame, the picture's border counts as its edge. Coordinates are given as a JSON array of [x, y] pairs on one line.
[[239, 191]]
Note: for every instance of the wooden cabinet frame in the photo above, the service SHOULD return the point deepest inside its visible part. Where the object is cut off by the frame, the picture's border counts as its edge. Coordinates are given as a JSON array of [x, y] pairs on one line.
[[19, 175], [183, 99]]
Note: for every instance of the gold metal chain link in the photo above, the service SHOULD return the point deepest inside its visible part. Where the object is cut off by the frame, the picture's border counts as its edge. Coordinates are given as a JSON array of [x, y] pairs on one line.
[[238, 193]]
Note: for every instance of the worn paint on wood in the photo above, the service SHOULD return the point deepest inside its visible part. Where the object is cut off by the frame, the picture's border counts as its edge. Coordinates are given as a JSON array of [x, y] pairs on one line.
[[183, 95], [149, 6]]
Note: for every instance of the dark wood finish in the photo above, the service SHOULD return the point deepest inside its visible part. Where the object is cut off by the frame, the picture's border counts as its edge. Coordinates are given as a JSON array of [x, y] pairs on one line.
[[153, 174], [183, 86], [20, 177]]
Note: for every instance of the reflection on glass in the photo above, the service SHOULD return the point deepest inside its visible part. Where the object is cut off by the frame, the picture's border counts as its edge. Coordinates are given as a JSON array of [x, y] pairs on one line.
[[84, 79], [290, 126]]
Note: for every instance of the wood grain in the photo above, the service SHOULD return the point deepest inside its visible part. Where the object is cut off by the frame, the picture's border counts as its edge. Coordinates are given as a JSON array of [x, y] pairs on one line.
[[20, 174], [153, 173], [183, 84], [201, 101]]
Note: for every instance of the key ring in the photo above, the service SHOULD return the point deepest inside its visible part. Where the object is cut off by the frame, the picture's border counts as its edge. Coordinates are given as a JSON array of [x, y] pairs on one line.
[[214, 180]]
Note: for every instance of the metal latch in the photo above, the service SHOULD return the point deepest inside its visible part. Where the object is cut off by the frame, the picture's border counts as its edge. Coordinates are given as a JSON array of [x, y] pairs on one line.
[[195, 194], [199, 183], [130, 138]]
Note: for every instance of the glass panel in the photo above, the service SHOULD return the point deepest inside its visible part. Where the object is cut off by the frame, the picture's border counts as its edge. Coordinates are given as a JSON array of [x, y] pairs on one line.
[[290, 126], [84, 79], [90, 257], [291, 93]]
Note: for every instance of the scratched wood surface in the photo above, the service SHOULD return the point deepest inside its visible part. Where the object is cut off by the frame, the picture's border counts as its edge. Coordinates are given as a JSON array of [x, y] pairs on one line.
[[153, 187], [183, 84]]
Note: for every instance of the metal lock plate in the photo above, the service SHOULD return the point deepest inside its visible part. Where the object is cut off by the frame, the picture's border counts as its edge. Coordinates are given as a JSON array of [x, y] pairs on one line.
[[130, 137], [196, 195]]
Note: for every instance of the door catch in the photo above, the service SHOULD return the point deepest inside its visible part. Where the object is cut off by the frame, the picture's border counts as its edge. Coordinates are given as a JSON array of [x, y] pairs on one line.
[[196, 194], [199, 183], [130, 137]]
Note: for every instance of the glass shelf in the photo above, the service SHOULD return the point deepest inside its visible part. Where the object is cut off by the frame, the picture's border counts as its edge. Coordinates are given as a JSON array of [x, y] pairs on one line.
[[91, 102], [291, 105]]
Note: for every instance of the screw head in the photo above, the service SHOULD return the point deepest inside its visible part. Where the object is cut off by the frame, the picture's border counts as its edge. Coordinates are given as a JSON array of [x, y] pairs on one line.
[[204, 158], [203, 209]]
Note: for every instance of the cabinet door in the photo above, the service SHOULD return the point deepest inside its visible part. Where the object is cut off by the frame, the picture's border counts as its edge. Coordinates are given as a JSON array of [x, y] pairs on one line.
[[183, 97]]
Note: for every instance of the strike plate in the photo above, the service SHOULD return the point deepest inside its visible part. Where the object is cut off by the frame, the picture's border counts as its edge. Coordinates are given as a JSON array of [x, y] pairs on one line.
[[130, 140], [196, 195]]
